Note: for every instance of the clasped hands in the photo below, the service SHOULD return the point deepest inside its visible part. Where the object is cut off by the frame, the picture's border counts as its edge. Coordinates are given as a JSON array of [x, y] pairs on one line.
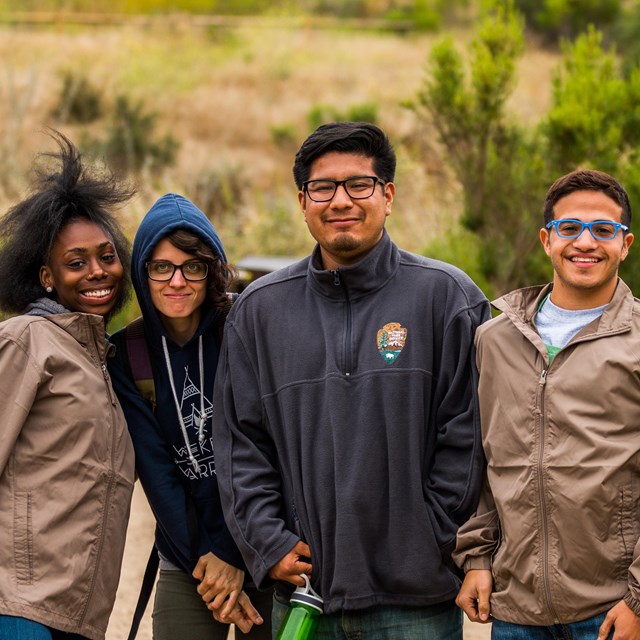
[[221, 589]]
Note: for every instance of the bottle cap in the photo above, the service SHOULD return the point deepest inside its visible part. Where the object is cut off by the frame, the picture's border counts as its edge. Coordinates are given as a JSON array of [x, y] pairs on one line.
[[306, 595]]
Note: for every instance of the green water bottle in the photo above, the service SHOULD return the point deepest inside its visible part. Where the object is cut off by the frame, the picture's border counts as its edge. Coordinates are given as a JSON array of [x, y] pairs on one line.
[[302, 619]]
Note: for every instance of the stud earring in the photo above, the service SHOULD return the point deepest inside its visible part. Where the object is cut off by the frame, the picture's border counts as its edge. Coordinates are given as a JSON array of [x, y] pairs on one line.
[[48, 289]]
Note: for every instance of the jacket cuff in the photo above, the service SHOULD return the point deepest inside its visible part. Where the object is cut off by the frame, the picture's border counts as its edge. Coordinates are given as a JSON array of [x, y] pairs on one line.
[[480, 562], [632, 603]]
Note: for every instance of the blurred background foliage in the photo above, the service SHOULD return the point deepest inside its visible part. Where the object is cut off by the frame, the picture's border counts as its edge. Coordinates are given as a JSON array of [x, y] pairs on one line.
[[486, 101]]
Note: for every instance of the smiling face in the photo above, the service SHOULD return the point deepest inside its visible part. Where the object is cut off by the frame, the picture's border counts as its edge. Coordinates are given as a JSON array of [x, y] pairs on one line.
[[178, 301], [345, 228], [585, 269], [83, 269]]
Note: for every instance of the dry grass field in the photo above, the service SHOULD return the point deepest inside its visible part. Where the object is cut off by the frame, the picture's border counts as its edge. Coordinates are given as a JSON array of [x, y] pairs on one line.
[[238, 101]]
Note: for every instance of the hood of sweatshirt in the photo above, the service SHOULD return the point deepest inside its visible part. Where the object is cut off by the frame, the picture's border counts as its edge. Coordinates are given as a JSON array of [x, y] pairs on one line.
[[174, 446], [169, 213]]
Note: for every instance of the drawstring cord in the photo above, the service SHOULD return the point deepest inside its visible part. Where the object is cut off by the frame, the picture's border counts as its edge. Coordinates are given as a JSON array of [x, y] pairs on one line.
[[202, 418]]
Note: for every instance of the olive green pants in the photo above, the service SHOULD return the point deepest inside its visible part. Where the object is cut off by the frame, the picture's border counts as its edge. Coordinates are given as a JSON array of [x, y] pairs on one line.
[[179, 611]]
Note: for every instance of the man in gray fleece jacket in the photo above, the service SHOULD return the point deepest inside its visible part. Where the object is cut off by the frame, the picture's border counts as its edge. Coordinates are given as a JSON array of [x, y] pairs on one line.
[[346, 427]]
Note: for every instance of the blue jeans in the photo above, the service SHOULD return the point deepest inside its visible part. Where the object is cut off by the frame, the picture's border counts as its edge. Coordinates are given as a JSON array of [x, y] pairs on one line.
[[12, 628], [438, 622], [583, 630]]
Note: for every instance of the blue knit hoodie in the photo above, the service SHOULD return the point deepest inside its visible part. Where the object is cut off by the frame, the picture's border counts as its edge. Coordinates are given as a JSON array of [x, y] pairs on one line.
[[183, 496]]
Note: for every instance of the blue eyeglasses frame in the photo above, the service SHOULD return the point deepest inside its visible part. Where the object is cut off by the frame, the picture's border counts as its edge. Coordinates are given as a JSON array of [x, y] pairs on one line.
[[587, 225]]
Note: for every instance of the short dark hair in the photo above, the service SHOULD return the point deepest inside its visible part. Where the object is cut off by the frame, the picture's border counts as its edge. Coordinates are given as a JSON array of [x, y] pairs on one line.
[[59, 197], [587, 180], [221, 274], [361, 138]]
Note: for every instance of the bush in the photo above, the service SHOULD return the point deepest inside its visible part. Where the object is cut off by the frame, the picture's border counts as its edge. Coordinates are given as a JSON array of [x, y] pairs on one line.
[[422, 14], [594, 113], [79, 101], [568, 18], [461, 248], [496, 161], [132, 143], [322, 114], [283, 135]]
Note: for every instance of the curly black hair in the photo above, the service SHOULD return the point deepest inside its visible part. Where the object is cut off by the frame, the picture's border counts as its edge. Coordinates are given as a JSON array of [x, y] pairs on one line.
[[71, 192]]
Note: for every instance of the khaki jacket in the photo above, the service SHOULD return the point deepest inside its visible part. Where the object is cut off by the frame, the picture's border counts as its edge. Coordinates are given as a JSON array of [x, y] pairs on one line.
[[66, 474], [559, 519]]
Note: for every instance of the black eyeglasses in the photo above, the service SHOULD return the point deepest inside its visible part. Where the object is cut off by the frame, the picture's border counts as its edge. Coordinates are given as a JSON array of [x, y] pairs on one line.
[[163, 270], [358, 188]]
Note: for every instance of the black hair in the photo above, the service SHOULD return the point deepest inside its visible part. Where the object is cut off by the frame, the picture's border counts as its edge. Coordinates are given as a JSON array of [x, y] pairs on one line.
[[221, 274], [587, 180], [361, 138], [57, 198]]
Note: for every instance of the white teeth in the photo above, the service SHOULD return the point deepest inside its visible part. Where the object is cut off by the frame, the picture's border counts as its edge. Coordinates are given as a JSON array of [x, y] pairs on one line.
[[102, 293], [584, 260]]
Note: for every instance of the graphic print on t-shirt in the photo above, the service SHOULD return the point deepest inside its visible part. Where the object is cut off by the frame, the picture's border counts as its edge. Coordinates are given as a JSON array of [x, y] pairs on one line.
[[202, 449]]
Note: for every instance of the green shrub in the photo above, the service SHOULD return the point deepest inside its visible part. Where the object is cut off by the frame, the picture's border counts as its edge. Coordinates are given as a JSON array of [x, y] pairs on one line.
[[322, 114], [283, 135], [79, 100], [594, 113], [498, 163], [132, 143], [461, 248], [568, 18], [363, 112], [424, 15]]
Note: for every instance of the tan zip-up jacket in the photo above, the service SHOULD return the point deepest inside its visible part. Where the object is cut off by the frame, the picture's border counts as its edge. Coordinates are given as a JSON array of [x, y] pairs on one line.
[[559, 519], [66, 474]]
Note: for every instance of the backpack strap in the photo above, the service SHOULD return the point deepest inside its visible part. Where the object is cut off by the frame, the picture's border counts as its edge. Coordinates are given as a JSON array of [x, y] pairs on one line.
[[140, 364], [145, 592], [139, 361]]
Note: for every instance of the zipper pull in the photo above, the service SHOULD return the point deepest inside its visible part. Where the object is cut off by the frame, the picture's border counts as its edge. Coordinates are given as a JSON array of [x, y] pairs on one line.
[[336, 277], [543, 377], [107, 379]]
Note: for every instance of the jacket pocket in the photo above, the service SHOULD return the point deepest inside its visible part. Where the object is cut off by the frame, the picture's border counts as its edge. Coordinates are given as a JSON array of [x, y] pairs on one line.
[[628, 530], [23, 537], [499, 579]]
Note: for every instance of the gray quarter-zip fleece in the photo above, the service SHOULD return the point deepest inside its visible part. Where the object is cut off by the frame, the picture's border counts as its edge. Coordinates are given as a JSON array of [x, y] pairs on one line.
[[348, 419]]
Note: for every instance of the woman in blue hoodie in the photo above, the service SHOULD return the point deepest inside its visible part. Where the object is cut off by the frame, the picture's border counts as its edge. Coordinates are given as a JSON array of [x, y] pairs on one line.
[[180, 275]]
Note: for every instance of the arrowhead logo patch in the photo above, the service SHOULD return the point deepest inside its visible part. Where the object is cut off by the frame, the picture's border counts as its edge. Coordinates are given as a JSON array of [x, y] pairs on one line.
[[391, 340]]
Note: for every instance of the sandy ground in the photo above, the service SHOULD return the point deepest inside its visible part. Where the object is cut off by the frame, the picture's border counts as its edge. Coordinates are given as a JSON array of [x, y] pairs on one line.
[[139, 541]]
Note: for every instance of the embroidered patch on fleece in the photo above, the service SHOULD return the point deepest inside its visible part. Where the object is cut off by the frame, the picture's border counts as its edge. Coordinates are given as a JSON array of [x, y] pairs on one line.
[[391, 340]]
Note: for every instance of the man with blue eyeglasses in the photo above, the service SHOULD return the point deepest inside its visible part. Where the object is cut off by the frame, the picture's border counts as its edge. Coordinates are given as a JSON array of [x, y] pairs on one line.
[[553, 552]]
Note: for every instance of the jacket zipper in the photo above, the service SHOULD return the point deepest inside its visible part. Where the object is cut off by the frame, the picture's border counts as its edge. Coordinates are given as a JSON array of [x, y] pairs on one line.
[[110, 484], [541, 490], [337, 281], [107, 378], [541, 496]]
